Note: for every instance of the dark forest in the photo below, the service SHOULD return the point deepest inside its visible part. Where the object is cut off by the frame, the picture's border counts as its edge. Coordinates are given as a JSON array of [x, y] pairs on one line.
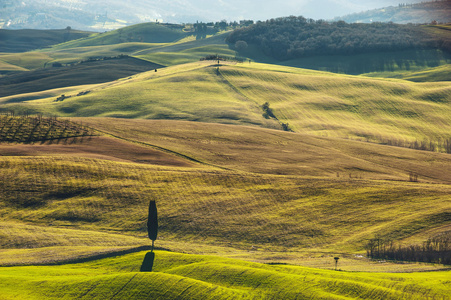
[[295, 37]]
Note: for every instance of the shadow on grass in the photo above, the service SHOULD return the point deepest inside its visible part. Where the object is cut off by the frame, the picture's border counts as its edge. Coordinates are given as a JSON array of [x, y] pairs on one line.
[[147, 264], [93, 257]]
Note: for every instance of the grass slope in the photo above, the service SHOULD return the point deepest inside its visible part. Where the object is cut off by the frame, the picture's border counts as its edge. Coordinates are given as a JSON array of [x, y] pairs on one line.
[[188, 55], [281, 213], [258, 150], [324, 104], [153, 42], [79, 202], [29, 39], [181, 276], [144, 32], [72, 55], [6, 68], [28, 60], [94, 147], [190, 92], [89, 72], [168, 54], [441, 73], [344, 106]]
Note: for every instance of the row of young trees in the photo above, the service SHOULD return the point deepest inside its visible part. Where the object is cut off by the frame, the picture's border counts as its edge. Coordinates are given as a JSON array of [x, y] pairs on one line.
[[434, 250], [31, 129], [441, 145], [294, 37]]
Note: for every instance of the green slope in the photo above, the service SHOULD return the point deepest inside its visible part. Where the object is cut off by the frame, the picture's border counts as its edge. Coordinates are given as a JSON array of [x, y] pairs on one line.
[[145, 32], [6, 68], [214, 206], [28, 60], [180, 276], [441, 73], [189, 92], [389, 111], [87, 72], [266, 151], [186, 50], [28, 39], [183, 51]]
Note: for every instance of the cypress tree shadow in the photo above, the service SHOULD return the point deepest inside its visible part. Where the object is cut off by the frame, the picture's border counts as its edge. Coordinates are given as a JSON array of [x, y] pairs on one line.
[[152, 230], [147, 264]]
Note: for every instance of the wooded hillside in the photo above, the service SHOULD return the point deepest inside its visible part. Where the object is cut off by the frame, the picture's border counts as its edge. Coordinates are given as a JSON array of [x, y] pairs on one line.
[[295, 37]]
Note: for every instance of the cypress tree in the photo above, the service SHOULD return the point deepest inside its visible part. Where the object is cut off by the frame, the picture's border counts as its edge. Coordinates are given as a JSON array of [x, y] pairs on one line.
[[152, 222]]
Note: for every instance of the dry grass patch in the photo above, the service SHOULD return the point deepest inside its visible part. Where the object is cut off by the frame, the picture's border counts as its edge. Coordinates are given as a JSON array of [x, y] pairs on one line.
[[223, 208], [98, 147], [276, 152]]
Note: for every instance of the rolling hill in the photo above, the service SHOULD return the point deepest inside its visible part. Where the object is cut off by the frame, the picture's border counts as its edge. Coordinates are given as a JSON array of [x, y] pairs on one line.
[[104, 15], [340, 47], [23, 40], [424, 12], [73, 214], [262, 173], [391, 111], [194, 169], [143, 33], [168, 45], [86, 72], [181, 276]]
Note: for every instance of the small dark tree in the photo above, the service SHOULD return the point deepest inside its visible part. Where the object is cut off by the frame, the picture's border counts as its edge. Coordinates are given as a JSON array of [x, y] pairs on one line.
[[336, 262], [286, 126], [152, 230], [413, 177], [66, 35], [267, 111]]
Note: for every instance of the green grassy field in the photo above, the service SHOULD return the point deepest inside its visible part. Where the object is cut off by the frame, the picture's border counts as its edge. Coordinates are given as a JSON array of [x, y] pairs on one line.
[[223, 192], [7, 68], [27, 60], [87, 72], [246, 209], [158, 43], [391, 111], [28, 39], [220, 197], [441, 73], [181, 276], [145, 32], [263, 151]]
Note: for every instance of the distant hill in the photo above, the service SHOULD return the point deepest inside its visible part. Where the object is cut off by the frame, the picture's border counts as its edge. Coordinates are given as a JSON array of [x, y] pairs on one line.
[[88, 72], [143, 33], [103, 15], [342, 47], [29, 39], [418, 13], [296, 37]]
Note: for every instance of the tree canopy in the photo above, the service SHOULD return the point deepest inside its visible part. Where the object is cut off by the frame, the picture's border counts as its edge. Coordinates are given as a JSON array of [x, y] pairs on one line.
[[294, 37]]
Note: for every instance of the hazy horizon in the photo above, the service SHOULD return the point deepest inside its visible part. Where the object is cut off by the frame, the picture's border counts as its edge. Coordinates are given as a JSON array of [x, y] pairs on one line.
[[315, 9], [81, 13]]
